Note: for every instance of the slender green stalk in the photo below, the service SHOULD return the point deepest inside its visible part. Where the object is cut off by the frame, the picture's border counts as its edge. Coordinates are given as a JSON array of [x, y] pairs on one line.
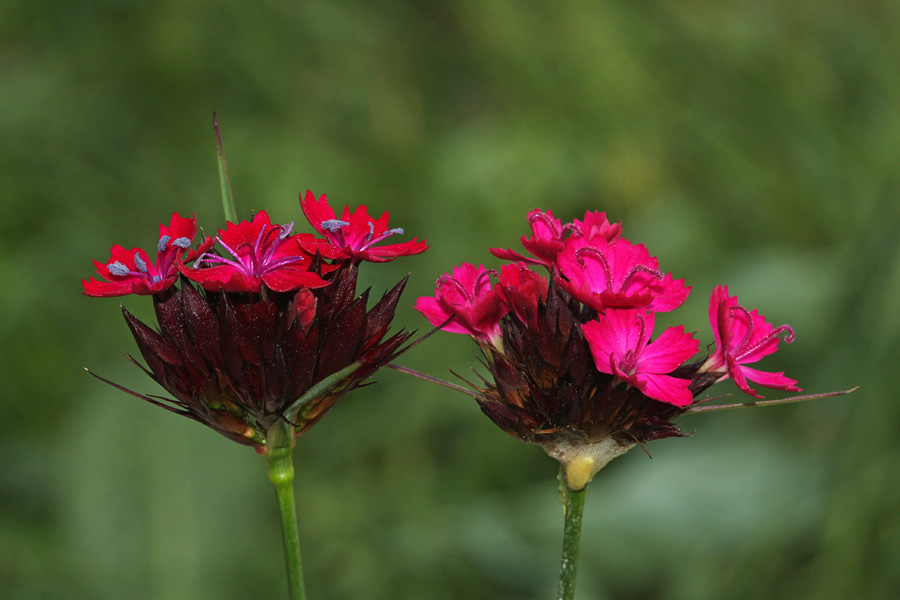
[[790, 400], [224, 181], [573, 509], [281, 474]]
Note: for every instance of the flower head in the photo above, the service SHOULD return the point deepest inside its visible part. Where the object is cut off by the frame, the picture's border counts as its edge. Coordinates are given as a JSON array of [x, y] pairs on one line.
[[133, 272], [259, 339], [260, 252], [572, 363], [468, 297], [355, 235], [744, 337], [546, 388]]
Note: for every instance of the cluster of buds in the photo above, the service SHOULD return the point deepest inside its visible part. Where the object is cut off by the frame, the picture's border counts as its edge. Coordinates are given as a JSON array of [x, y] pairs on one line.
[[260, 325], [573, 366]]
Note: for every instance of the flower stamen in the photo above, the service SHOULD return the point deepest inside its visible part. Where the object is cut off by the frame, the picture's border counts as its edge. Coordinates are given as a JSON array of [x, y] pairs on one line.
[[139, 262], [118, 269], [654, 273], [599, 257]]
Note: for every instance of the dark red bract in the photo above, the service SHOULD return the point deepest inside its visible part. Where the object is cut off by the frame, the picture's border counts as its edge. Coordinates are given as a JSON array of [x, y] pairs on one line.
[[235, 362]]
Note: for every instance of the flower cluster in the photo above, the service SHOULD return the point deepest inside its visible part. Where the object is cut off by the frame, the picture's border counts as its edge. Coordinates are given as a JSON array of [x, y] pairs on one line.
[[261, 316], [575, 367]]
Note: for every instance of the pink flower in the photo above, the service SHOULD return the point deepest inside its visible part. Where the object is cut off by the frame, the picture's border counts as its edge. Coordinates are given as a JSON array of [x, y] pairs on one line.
[[620, 344], [523, 289], [132, 271], [548, 236], [468, 297], [744, 337], [262, 253], [596, 226], [617, 275], [354, 235]]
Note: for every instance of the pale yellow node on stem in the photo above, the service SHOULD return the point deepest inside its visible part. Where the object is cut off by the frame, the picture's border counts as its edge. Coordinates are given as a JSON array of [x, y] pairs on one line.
[[582, 461]]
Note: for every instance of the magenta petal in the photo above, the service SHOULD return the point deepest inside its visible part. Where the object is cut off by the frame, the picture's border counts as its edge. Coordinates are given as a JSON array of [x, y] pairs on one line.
[[671, 390], [596, 226], [437, 314], [716, 300], [223, 277], [668, 294], [179, 227], [468, 296], [761, 342], [603, 342], [770, 380], [669, 351], [316, 211], [287, 280], [737, 373], [106, 289]]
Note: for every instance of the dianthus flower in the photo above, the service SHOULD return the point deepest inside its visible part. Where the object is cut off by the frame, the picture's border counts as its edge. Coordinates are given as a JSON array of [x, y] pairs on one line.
[[621, 346], [260, 253], [742, 337], [572, 361], [133, 272], [617, 275], [469, 301], [355, 235]]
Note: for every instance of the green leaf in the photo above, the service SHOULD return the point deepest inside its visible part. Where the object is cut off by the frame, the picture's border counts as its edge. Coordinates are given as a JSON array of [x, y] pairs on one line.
[[224, 181], [319, 389]]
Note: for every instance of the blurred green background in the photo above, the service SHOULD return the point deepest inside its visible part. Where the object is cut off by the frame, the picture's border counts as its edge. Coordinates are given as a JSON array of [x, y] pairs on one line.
[[750, 143]]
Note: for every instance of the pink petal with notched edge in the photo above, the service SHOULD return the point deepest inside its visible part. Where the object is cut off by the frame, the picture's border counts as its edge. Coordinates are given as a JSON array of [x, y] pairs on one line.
[[437, 313], [669, 351], [664, 388]]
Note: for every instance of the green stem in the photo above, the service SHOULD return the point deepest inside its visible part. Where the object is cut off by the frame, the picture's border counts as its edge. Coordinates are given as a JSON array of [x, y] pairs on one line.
[[281, 474], [224, 181], [573, 509]]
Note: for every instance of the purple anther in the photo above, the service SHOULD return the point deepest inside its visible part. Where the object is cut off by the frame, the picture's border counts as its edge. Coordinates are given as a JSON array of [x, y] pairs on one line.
[[118, 269], [334, 225], [139, 263]]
